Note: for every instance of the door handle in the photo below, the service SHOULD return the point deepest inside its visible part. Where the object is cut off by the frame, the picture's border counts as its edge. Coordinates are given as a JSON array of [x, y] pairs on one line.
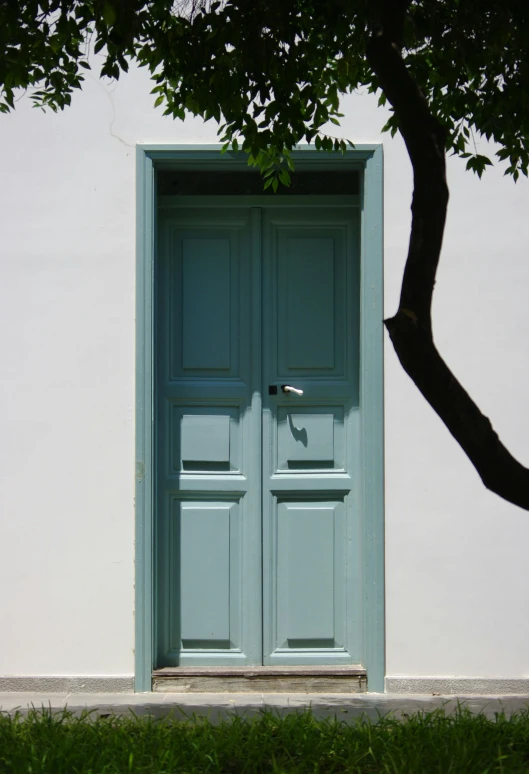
[[288, 388]]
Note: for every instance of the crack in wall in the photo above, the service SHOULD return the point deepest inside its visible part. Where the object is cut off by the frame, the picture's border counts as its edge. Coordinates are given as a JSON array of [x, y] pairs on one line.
[[112, 122]]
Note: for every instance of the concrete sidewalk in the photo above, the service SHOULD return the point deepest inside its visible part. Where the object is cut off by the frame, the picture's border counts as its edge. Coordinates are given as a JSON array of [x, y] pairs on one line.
[[217, 706]]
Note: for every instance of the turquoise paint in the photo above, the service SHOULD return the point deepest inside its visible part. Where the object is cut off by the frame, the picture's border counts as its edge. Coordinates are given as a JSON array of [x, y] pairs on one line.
[[309, 571], [206, 485], [144, 424], [311, 474], [205, 615], [310, 311], [205, 438], [372, 401], [205, 299], [308, 437], [306, 268], [371, 394]]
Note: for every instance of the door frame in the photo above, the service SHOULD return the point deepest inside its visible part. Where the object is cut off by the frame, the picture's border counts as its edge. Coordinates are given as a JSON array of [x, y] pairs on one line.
[[368, 159]]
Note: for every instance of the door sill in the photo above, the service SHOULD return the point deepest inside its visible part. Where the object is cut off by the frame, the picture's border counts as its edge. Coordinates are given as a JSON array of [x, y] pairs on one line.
[[261, 679]]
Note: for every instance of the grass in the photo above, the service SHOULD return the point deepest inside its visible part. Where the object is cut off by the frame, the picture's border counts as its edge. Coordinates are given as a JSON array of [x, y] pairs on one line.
[[44, 742]]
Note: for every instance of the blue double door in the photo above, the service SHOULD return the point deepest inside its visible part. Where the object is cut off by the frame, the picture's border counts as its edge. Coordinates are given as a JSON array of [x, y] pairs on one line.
[[259, 522]]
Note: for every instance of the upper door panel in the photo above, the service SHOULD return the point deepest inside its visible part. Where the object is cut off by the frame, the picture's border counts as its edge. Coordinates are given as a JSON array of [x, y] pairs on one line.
[[311, 292], [208, 295]]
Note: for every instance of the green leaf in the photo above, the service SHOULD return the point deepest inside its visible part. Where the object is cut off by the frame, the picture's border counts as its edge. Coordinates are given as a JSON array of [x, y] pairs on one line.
[[469, 59], [109, 14], [284, 177]]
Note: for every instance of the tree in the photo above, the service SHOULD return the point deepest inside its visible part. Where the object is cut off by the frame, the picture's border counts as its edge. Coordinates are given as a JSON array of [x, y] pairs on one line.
[[271, 74]]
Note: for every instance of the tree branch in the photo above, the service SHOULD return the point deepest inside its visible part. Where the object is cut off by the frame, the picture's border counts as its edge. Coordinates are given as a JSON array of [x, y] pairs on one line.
[[410, 329]]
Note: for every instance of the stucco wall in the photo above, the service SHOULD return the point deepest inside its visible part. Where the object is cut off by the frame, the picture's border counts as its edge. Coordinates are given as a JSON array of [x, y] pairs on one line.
[[456, 556]]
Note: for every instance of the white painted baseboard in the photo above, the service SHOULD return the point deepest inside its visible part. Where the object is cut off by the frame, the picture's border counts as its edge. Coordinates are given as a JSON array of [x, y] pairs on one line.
[[460, 686], [67, 684]]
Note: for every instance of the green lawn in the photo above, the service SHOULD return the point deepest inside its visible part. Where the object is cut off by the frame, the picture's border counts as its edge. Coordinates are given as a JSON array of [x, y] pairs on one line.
[[57, 743]]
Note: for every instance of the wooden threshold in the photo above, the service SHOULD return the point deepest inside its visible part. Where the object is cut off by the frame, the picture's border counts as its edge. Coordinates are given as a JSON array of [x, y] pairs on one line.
[[261, 679]]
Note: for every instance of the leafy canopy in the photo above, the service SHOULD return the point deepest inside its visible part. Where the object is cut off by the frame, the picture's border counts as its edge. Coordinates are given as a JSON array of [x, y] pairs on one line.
[[271, 72]]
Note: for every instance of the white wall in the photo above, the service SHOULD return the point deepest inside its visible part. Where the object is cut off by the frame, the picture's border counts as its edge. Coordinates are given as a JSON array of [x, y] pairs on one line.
[[457, 569]]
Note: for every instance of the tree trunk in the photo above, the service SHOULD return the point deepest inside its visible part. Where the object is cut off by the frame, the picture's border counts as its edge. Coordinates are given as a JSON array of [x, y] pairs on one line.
[[410, 329]]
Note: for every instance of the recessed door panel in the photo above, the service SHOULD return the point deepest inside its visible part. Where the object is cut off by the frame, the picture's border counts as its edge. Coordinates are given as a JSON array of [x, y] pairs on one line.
[[306, 282], [205, 553], [200, 622], [310, 437], [205, 438], [308, 265], [204, 302], [306, 575], [207, 266]]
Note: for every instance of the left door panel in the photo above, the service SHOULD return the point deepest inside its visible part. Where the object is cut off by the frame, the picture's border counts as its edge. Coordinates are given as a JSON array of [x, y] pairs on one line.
[[208, 529]]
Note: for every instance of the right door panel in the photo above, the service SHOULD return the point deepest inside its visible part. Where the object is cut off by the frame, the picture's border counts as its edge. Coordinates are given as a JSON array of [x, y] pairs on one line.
[[312, 563]]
